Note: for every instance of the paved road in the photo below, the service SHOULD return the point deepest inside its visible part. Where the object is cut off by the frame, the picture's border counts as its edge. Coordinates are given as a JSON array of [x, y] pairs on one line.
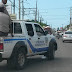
[[62, 62]]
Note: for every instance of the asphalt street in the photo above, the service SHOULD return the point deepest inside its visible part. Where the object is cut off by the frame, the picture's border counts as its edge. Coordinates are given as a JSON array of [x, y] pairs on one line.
[[62, 62]]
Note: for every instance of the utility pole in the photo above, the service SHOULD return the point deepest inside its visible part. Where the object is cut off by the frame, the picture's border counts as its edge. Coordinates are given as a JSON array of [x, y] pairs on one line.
[[19, 9], [38, 15], [46, 22], [14, 7], [70, 16], [11, 8], [22, 10], [31, 9], [62, 27], [36, 12], [40, 19]]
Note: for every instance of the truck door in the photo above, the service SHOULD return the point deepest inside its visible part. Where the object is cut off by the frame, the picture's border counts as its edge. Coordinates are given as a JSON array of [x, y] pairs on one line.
[[36, 38], [42, 42], [31, 38]]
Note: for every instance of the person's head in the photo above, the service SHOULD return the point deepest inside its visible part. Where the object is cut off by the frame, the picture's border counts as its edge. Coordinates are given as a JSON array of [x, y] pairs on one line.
[[1, 7], [4, 1]]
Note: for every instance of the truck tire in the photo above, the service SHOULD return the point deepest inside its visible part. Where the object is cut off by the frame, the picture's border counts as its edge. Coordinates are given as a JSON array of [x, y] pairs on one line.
[[18, 61], [10, 63], [51, 52]]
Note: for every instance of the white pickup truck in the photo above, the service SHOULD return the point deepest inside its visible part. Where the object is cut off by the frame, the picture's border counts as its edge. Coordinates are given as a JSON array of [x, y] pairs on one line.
[[29, 39]]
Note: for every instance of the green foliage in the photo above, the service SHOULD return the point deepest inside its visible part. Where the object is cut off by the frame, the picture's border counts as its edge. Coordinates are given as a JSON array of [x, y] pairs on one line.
[[68, 26], [41, 23]]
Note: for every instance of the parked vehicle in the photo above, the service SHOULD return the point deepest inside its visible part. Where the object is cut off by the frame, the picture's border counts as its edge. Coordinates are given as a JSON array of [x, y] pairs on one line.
[[67, 36]]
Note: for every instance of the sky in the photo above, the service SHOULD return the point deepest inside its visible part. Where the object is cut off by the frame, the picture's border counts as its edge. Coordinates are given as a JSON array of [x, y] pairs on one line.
[[55, 13]]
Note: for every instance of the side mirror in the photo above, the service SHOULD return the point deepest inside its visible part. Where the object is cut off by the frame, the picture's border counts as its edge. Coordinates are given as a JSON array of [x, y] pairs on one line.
[[62, 34], [30, 33], [46, 32]]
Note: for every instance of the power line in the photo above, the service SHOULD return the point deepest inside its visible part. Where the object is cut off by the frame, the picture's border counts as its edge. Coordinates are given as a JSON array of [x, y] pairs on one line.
[[36, 12], [22, 10], [70, 16], [38, 15], [57, 19], [55, 8], [27, 2], [13, 4], [11, 1], [19, 10], [54, 15]]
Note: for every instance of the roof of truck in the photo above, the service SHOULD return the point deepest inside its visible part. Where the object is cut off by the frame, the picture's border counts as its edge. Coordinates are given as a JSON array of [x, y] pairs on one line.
[[23, 21]]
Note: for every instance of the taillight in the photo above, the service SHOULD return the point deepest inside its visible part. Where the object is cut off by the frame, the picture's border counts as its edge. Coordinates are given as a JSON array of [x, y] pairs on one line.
[[1, 47], [64, 36]]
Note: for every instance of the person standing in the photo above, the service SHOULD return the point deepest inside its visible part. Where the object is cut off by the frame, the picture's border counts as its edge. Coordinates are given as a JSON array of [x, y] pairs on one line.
[[4, 22], [6, 12]]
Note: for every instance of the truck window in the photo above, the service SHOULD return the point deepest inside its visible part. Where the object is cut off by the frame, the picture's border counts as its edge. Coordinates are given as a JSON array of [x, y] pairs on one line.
[[39, 30], [17, 28], [29, 29]]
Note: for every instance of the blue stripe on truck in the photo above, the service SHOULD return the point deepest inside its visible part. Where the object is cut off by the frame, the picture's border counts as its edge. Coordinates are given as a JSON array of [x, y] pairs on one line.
[[31, 46], [13, 39]]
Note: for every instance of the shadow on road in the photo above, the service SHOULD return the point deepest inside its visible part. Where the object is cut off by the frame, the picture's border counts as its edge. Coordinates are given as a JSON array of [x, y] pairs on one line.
[[35, 63], [57, 61], [68, 42]]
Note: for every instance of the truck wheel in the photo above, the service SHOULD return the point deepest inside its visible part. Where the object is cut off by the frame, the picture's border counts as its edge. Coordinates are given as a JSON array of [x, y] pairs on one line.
[[51, 52], [18, 61]]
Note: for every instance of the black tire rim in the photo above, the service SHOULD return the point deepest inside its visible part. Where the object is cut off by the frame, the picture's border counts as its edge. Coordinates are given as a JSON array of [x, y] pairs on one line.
[[21, 59]]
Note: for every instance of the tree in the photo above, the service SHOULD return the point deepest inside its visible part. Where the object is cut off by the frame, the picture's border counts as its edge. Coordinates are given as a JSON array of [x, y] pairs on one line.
[[41, 23]]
